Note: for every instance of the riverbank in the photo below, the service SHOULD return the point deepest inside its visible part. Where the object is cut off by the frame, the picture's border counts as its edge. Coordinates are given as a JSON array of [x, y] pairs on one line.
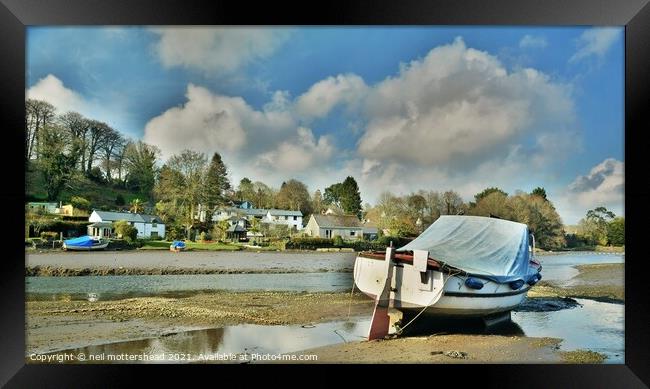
[[601, 282]]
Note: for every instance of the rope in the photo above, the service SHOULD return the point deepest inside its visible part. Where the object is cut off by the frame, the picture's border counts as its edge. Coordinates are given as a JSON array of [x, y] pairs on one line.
[[430, 303], [350, 300]]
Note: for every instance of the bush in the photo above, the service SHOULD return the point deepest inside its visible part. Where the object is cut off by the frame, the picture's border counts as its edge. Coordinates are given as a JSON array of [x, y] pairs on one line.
[[338, 241], [127, 231], [95, 174], [49, 235], [80, 202], [309, 243], [119, 200], [204, 236]]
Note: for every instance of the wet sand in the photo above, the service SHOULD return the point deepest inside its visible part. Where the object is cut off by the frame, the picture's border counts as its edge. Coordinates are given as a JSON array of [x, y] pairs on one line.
[[166, 262], [601, 282], [64, 324]]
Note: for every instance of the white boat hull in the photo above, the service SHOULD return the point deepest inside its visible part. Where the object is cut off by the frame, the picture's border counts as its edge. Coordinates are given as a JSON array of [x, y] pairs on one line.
[[442, 294], [85, 248]]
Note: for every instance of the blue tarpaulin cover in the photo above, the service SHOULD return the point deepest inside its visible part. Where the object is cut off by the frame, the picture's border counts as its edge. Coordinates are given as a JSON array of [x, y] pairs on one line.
[[492, 248], [178, 244], [83, 241]]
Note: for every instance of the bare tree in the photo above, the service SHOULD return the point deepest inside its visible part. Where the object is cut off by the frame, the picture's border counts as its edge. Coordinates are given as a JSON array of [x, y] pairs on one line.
[[37, 114], [112, 143], [77, 127]]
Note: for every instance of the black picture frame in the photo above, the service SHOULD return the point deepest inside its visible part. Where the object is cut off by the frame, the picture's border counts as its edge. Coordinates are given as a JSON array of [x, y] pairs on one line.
[[16, 15]]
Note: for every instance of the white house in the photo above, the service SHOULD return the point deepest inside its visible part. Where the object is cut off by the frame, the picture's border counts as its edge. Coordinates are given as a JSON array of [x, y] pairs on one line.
[[347, 227], [148, 226], [293, 219]]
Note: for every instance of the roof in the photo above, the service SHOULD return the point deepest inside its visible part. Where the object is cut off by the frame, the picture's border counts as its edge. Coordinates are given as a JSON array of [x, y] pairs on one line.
[[101, 225], [43, 203], [282, 212], [236, 228], [337, 221], [129, 217]]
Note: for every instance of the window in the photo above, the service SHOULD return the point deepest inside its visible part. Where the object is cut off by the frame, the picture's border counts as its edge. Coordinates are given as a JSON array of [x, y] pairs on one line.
[[154, 225], [352, 233], [295, 218]]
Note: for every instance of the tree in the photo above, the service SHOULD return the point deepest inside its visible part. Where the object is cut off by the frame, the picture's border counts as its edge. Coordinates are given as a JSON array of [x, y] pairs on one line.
[[293, 195], [77, 127], [136, 206], [80, 203], [97, 135], [140, 160], [317, 202], [345, 195], [112, 143], [541, 217], [37, 115], [216, 182], [191, 166], [126, 230], [245, 190], [57, 161], [488, 191], [493, 204], [616, 231], [452, 202], [539, 191], [594, 226], [264, 196]]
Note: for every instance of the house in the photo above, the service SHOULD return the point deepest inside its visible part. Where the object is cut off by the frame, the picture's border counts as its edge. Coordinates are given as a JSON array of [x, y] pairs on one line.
[[43, 207], [370, 230], [347, 227], [148, 226], [101, 229], [293, 219]]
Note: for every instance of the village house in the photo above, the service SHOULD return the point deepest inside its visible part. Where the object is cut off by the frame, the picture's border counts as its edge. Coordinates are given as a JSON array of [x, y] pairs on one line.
[[148, 226], [52, 208], [347, 227], [292, 219]]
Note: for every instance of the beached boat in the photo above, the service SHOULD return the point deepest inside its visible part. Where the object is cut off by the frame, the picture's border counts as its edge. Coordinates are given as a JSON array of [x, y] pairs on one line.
[[461, 266], [85, 243], [177, 246]]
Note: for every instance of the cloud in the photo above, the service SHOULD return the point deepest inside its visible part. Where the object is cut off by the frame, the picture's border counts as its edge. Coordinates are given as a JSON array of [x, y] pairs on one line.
[[216, 50], [603, 185], [530, 41], [52, 90], [324, 95], [299, 154], [457, 107], [595, 42]]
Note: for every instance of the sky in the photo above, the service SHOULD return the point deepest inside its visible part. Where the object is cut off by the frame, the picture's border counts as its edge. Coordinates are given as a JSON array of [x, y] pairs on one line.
[[398, 108]]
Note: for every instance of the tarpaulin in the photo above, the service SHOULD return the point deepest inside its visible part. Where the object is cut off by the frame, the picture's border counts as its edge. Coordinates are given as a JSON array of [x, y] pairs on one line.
[[492, 248]]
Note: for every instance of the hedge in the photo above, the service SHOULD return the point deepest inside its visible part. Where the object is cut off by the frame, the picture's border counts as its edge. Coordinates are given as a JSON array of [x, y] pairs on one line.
[[67, 227], [309, 243]]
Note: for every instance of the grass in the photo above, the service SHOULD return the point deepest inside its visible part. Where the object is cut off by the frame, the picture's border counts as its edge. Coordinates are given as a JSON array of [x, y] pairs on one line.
[[582, 356], [211, 246]]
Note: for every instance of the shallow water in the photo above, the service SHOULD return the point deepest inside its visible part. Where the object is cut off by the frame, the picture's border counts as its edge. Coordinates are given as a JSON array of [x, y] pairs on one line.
[[559, 267], [235, 344], [117, 287], [588, 324]]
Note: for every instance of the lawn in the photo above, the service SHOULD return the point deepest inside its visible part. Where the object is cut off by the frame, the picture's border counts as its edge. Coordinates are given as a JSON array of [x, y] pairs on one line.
[[211, 246]]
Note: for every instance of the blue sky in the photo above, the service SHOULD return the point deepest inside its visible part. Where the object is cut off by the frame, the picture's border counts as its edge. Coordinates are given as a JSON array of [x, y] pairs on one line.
[[398, 108]]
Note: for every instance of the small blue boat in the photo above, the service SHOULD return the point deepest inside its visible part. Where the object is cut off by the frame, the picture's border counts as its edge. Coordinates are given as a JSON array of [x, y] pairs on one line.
[[177, 245], [86, 243]]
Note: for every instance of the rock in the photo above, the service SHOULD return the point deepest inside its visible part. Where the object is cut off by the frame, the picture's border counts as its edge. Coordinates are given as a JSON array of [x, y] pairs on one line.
[[456, 354]]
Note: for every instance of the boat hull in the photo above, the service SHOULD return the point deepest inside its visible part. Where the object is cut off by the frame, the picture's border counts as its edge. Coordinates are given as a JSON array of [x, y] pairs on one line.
[[85, 248], [443, 294]]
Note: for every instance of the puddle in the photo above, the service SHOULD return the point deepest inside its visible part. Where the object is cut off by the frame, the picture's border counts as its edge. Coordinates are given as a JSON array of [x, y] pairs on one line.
[[234, 344], [559, 267], [593, 325]]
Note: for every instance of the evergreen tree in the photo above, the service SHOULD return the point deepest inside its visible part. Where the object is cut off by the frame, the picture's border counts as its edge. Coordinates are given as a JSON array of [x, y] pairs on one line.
[[216, 182]]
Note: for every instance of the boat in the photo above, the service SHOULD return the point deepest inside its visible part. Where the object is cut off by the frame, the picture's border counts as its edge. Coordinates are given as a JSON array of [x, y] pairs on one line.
[[461, 266], [86, 243], [177, 246]]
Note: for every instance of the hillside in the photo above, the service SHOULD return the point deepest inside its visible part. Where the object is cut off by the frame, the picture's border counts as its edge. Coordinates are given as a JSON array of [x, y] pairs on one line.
[[100, 195]]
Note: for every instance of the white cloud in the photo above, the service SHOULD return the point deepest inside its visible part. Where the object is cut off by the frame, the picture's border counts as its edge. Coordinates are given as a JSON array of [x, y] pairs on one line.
[[216, 50], [458, 107], [604, 185], [52, 90], [324, 95], [298, 154], [596, 42], [530, 41]]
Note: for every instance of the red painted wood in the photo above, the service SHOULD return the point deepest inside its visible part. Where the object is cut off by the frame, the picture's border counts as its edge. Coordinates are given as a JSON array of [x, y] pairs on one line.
[[380, 323]]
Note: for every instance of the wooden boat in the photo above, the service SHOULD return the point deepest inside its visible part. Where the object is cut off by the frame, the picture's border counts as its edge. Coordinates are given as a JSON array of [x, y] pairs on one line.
[[85, 243], [461, 266]]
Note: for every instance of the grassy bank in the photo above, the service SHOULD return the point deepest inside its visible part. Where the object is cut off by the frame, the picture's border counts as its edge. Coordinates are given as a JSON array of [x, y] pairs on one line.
[[211, 246]]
